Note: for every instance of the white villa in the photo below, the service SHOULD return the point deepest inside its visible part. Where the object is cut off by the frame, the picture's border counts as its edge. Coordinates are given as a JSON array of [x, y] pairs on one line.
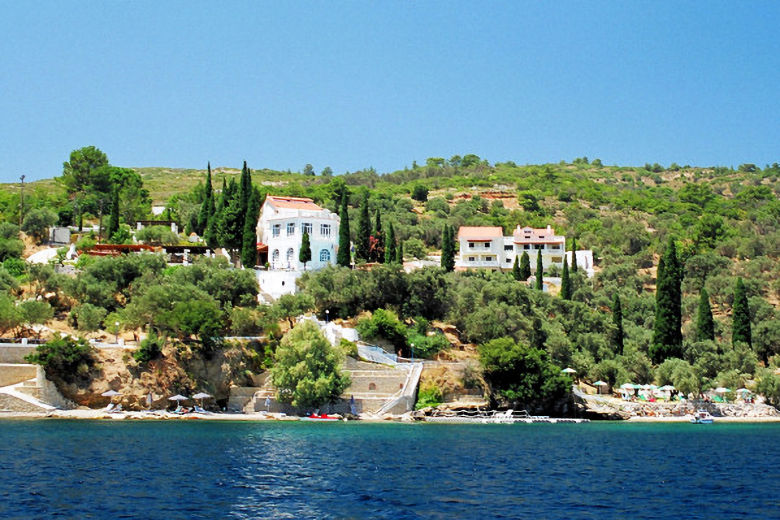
[[283, 220], [487, 247]]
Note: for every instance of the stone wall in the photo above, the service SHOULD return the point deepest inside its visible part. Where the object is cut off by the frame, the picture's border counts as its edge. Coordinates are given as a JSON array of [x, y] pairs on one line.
[[10, 374], [14, 352]]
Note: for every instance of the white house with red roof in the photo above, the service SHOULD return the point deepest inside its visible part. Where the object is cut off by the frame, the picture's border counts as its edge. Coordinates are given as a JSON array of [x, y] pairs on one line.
[[487, 247], [280, 228]]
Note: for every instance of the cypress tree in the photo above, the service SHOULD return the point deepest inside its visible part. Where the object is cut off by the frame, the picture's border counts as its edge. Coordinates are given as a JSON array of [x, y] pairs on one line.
[[617, 320], [245, 189], [566, 290], [705, 326], [249, 238], [390, 244], [525, 266], [378, 254], [231, 229], [399, 253], [538, 336], [304, 255], [363, 238], [516, 269], [573, 255], [212, 234], [539, 271], [667, 337], [207, 206], [740, 315], [343, 257], [113, 221], [447, 249]]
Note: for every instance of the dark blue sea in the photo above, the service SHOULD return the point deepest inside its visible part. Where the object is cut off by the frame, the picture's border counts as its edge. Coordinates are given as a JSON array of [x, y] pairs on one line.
[[237, 470]]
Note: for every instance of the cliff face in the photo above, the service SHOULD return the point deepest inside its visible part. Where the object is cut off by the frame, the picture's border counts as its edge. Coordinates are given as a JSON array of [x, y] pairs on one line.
[[179, 371]]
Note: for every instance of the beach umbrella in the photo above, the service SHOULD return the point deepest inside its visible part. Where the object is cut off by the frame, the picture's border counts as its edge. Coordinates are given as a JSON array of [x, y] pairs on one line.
[[743, 390], [667, 388], [178, 397], [569, 370], [201, 395], [721, 390], [627, 386], [599, 384], [111, 393]]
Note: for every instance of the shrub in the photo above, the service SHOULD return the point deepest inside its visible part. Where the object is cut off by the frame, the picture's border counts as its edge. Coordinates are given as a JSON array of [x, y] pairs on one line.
[[383, 325], [37, 222], [88, 317], [64, 357], [428, 395], [415, 247], [149, 349]]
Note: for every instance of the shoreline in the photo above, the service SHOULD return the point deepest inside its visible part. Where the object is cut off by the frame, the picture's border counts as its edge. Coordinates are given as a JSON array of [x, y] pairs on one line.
[[159, 415]]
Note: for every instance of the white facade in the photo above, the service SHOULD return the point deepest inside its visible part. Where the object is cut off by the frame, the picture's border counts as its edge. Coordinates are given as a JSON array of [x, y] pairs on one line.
[[487, 247], [282, 223]]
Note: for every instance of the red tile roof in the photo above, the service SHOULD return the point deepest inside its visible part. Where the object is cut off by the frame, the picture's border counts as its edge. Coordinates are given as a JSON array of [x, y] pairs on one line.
[[292, 202], [480, 232]]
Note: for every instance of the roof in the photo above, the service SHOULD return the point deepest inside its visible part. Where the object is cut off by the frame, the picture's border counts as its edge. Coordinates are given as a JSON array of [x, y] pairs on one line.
[[292, 203], [536, 235], [480, 232]]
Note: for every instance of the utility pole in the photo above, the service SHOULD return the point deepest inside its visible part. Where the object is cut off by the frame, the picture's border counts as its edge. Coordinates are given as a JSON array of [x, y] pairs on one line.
[[21, 203]]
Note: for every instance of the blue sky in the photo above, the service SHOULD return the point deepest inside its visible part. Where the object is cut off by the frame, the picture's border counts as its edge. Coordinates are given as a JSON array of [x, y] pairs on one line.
[[358, 84]]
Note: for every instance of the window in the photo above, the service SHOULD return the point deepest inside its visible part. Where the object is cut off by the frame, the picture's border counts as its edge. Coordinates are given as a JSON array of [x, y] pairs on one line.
[[306, 228], [471, 245], [472, 259], [508, 260], [556, 259], [487, 245], [488, 259], [507, 248], [325, 230], [324, 255], [276, 230], [537, 246], [290, 257], [290, 228], [526, 246], [555, 247], [275, 257]]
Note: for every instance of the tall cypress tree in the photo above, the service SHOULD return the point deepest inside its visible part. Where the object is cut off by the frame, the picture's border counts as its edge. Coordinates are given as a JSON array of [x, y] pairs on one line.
[[617, 321], [705, 326], [516, 269], [539, 271], [447, 249], [363, 237], [667, 336], [249, 237], [231, 229], [538, 336], [343, 257], [525, 266], [378, 254], [245, 189], [399, 253], [740, 315], [390, 244], [212, 234], [113, 221], [304, 255], [207, 206], [574, 255], [566, 290]]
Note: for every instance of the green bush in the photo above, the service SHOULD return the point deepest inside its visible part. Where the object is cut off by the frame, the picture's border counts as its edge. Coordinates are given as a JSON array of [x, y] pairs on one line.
[[428, 395], [16, 266], [64, 357], [383, 325], [149, 349], [88, 317]]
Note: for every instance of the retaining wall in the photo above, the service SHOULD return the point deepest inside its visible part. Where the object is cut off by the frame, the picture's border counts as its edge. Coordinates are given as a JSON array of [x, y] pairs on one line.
[[10, 374]]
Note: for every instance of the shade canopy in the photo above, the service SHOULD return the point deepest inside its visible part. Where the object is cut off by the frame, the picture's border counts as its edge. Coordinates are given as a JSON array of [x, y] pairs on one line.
[[600, 383], [111, 393], [178, 397], [721, 390], [666, 388], [201, 395], [627, 386], [569, 370]]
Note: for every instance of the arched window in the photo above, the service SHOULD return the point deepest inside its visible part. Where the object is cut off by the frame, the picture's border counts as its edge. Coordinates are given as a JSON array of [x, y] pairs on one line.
[[324, 255], [290, 256], [274, 258], [372, 386]]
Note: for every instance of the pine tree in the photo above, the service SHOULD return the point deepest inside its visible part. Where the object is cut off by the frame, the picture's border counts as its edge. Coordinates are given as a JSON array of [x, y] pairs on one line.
[[525, 266], [207, 206], [539, 271], [343, 257], [399, 253], [740, 315], [667, 336], [249, 238], [516, 269], [378, 254], [363, 238], [566, 290], [447, 249], [113, 221], [304, 255], [705, 326], [573, 255], [390, 244], [617, 320]]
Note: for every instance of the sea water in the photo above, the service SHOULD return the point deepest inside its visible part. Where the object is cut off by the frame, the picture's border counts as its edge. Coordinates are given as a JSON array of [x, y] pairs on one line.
[[237, 470]]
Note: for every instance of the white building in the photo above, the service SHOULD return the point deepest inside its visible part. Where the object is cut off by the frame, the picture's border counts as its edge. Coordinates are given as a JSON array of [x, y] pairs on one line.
[[280, 229], [487, 247]]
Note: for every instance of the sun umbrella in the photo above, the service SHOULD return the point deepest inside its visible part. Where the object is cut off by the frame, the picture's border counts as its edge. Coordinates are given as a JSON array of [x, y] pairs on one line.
[[568, 370], [666, 388], [201, 395], [178, 397], [721, 390], [743, 390], [111, 393], [600, 383], [627, 386]]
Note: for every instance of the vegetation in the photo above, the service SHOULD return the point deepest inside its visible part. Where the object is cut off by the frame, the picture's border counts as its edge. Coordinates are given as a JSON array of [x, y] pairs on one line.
[[64, 358], [306, 370]]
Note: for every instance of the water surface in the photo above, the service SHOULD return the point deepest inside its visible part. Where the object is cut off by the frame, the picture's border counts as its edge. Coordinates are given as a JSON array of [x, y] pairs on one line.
[[150, 470]]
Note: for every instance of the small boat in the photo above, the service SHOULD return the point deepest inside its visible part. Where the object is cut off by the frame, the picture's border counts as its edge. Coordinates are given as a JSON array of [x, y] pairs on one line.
[[321, 417], [702, 417]]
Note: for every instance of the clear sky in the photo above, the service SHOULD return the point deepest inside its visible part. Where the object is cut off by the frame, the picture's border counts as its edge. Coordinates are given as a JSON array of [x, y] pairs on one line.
[[358, 84]]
